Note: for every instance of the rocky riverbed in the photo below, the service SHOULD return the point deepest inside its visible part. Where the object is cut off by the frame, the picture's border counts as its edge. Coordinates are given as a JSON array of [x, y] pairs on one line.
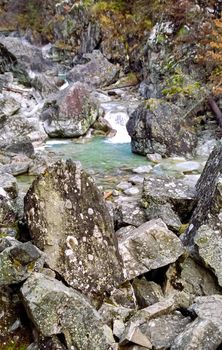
[[101, 248]]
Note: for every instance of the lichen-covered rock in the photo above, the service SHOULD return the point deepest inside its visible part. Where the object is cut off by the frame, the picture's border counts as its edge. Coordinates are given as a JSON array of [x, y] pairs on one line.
[[146, 292], [70, 113], [192, 278], [149, 247], [128, 213], [68, 219], [46, 299], [205, 333], [208, 242], [156, 326], [168, 198], [209, 194], [97, 71], [161, 128], [18, 260]]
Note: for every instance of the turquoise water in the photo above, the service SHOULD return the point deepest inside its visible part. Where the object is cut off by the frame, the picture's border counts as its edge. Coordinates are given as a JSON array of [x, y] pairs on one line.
[[99, 154], [107, 162]]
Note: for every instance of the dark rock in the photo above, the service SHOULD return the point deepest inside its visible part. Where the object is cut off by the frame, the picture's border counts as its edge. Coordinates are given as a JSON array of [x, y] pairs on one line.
[[14, 333], [98, 71], [73, 227], [18, 260], [192, 278], [70, 113], [161, 127], [208, 195], [146, 292], [46, 299]]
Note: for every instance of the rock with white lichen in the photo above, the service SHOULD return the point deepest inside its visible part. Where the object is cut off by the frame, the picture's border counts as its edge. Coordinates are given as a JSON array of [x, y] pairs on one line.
[[68, 219], [46, 299]]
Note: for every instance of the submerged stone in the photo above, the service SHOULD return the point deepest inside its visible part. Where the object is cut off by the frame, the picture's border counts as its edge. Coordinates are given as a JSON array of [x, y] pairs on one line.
[[68, 219]]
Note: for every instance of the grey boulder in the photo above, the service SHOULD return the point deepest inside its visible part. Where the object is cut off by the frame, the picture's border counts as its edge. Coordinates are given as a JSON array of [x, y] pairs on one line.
[[68, 219], [149, 247], [70, 112], [57, 309]]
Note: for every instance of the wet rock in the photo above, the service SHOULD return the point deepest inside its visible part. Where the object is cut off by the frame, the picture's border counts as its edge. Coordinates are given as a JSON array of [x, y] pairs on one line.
[[101, 125], [136, 179], [206, 331], [161, 127], [18, 260], [8, 185], [70, 113], [124, 185], [128, 213], [132, 191], [149, 247], [192, 278], [146, 292], [97, 71], [167, 194], [73, 227], [46, 299], [143, 169], [154, 157]]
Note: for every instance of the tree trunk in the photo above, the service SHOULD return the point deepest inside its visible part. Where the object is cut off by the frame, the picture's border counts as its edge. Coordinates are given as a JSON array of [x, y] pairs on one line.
[[215, 109]]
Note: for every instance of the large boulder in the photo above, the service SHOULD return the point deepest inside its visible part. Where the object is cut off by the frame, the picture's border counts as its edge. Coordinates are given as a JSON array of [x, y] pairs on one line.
[[96, 71], [149, 247], [161, 127], [26, 54], [68, 219], [70, 113], [57, 309], [203, 236]]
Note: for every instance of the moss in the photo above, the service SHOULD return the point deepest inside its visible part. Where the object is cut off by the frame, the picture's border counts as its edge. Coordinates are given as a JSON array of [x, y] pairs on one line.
[[152, 104], [178, 84]]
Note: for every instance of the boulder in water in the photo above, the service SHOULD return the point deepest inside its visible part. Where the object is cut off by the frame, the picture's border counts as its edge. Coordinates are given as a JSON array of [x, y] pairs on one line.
[[70, 113], [161, 127]]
